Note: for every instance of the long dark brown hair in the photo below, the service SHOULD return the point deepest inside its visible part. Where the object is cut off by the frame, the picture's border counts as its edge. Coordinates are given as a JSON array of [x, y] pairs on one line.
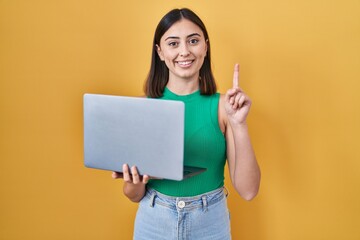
[[158, 75]]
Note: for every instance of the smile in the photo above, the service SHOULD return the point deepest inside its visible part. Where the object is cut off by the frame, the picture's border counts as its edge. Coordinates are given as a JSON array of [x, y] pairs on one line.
[[185, 63]]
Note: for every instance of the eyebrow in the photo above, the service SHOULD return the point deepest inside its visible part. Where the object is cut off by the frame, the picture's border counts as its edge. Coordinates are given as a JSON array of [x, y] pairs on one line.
[[191, 35]]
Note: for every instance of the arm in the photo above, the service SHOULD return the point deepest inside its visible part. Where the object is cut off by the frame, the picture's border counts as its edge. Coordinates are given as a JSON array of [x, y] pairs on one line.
[[243, 166], [134, 185]]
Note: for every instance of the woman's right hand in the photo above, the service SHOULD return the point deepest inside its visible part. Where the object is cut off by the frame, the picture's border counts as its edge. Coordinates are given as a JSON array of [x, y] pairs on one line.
[[134, 184]]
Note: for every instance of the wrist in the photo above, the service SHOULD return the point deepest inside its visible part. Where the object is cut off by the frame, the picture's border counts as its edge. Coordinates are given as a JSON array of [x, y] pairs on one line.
[[238, 125]]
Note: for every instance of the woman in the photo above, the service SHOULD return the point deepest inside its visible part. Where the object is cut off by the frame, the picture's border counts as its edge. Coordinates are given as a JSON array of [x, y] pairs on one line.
[[215, 130]]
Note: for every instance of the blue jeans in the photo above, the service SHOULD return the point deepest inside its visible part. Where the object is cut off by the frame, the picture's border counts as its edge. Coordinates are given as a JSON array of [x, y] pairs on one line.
[[201, 217]]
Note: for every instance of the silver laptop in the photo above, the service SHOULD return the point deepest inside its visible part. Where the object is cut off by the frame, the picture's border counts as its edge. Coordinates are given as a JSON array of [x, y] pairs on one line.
[[147, 133]]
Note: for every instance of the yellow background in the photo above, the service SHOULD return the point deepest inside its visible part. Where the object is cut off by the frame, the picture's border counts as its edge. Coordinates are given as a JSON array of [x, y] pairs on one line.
[[300, 63]]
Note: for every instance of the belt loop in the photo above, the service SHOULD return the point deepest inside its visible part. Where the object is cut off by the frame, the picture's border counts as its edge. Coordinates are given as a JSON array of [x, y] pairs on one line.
[[152, 199], [204, 203]]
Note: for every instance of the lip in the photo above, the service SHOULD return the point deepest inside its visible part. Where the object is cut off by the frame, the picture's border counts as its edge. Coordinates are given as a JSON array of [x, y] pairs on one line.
[[184, 63]]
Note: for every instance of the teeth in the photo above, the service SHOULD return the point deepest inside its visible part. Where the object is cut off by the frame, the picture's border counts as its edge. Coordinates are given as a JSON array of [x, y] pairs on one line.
[[184, 63]]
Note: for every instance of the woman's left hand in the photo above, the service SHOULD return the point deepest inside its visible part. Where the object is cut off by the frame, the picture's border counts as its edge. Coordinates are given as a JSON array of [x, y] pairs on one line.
[[237, 103]]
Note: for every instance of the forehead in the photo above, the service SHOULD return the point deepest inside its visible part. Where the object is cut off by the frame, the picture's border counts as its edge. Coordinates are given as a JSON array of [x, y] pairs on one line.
[[182, 28]]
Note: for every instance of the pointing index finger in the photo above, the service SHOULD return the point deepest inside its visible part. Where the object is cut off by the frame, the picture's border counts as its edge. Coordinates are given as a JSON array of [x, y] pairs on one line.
[[236, 76]]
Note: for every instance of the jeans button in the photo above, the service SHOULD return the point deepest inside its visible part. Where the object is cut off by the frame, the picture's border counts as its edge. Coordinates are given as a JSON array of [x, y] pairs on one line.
[[181, 204]]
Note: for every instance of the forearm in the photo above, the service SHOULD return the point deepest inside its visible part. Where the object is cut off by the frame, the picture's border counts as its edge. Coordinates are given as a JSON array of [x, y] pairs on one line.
[[246, 172]]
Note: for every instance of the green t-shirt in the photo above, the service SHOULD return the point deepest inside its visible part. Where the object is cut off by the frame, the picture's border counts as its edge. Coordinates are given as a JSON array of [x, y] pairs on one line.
[[204, 146]]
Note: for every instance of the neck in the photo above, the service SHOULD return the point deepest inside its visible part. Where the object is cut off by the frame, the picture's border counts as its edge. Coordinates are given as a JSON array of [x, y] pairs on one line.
[[183, 86], [183, 89]]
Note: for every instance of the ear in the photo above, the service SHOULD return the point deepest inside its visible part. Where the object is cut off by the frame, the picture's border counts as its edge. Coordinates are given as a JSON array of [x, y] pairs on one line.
[[159, 52]]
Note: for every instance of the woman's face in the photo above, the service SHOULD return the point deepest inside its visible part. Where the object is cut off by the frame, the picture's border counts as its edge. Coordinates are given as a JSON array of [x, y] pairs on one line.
[[183, 48]]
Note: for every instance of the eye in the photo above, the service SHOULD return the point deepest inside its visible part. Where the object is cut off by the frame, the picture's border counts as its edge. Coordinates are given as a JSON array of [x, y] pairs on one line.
[[193, 41], [173, 44]]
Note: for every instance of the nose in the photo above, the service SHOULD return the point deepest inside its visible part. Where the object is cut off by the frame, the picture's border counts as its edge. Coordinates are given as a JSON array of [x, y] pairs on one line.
[[184, 50]]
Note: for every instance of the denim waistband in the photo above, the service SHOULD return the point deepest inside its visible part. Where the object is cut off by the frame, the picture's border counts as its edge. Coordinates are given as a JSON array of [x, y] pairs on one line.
[[186, 203]]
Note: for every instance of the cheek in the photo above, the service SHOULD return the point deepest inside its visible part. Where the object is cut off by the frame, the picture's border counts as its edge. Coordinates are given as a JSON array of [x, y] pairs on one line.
[[201, 52], [168, 59], [201, 55], [169, 56]]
